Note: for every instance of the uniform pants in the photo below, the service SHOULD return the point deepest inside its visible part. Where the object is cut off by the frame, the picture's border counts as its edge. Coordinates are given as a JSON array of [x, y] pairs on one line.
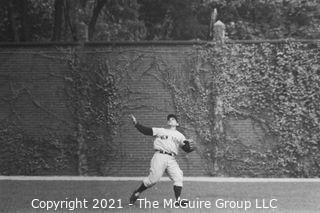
[[161, 163]]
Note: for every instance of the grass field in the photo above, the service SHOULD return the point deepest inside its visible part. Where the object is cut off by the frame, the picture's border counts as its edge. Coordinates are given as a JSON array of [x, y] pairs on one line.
[[223, 195]]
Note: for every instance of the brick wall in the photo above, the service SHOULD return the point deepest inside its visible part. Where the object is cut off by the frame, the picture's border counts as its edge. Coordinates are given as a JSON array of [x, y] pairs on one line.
[[40, 106]]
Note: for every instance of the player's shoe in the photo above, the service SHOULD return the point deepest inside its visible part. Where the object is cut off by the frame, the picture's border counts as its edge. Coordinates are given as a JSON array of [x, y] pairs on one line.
[[134, 197]]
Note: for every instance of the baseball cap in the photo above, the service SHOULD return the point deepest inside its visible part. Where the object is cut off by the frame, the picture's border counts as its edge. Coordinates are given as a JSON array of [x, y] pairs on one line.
[[172, 116]]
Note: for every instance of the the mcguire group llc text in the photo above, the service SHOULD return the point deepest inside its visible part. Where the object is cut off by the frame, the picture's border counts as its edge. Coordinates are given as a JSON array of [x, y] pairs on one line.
[[220, 203]]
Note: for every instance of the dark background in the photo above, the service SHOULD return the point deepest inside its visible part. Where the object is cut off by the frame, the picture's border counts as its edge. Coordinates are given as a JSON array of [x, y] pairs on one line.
[[136, 20]]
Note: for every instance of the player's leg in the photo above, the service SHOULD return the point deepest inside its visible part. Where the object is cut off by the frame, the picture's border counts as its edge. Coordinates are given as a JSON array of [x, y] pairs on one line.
[[135, 195], [157, 168], [175, 174]]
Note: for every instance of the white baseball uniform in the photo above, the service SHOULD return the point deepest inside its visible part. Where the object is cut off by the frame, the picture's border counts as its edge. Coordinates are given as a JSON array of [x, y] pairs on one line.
[[169, 141]]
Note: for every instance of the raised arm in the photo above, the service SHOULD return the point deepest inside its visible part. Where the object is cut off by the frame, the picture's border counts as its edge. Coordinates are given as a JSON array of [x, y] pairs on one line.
[[143, 129]]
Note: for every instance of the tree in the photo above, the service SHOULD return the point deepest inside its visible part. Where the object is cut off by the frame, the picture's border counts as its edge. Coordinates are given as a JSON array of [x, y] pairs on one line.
[[99, 4], [26, 20], [58, 19], [177, 19], [65, 20], [133, 20], [245, 19], [120, 20], [104, 19]]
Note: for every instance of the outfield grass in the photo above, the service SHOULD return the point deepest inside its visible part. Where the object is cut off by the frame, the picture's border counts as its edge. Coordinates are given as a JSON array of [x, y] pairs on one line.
[[291, 197]]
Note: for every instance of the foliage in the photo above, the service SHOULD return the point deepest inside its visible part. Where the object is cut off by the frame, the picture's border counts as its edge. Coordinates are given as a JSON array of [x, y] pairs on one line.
[[23, 153], [275, 85], [26, 20], [121, 21], [82, 144], [173, 20], [252, 19], [94, 100], [135, 20], [245, 19]]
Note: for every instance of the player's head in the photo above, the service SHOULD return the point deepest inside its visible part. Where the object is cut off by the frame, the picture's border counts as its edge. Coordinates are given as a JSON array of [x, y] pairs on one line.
[[172, 120]]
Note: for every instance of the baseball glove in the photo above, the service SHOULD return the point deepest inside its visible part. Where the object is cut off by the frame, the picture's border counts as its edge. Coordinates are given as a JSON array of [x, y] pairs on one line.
[[189, 146]]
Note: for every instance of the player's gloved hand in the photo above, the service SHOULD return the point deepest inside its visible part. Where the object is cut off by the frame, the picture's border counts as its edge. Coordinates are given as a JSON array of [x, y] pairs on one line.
[[134, 120], [189, 146]]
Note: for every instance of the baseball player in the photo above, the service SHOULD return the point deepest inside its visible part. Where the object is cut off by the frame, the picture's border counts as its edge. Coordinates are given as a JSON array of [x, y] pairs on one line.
[[166, 145]]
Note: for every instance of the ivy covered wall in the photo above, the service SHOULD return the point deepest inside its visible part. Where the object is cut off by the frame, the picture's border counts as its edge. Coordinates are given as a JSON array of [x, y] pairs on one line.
[[252, 108], [274, 87]]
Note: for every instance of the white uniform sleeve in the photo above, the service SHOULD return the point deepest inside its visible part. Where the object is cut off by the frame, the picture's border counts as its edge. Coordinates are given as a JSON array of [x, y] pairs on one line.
[[157, 131]]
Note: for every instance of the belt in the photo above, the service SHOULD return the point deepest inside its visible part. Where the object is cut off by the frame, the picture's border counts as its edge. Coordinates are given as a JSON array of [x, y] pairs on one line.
[[164, 152]]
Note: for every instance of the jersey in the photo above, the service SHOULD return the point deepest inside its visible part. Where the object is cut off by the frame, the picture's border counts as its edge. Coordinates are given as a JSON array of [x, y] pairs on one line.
[[167, 140]]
